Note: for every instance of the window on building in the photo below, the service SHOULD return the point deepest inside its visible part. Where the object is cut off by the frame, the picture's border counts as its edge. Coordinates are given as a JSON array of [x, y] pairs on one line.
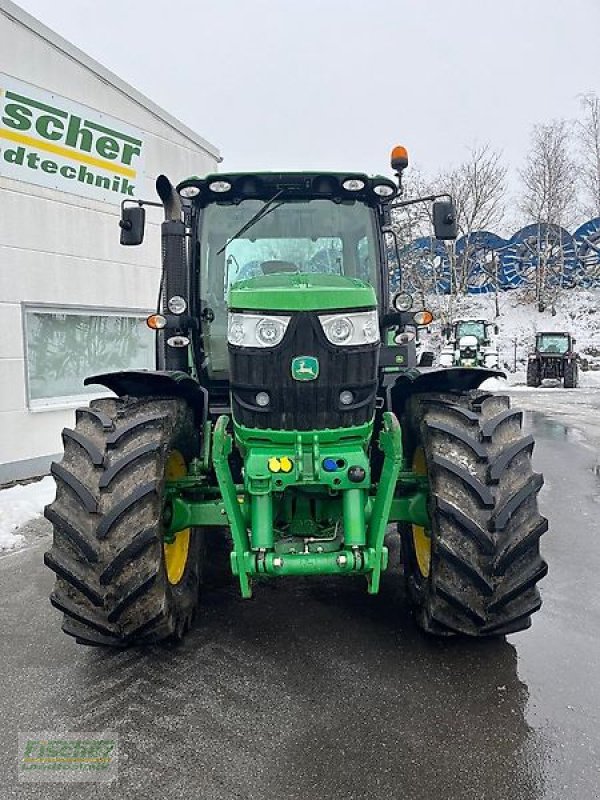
[[64, 346]]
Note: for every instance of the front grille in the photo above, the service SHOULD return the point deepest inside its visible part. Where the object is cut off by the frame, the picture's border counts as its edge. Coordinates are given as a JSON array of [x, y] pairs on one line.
[[303, 405]]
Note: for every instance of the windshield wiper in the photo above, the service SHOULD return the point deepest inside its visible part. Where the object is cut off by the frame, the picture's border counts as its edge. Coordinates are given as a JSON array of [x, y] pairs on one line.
[[263, 211]]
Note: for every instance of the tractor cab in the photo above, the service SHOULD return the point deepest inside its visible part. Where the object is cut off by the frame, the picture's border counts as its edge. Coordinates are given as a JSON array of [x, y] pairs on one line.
[[554, 344], [288, 246], [476, 328]]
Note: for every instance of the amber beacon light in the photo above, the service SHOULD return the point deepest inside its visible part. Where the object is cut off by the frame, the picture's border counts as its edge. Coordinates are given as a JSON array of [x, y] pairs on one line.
[[399, 158]]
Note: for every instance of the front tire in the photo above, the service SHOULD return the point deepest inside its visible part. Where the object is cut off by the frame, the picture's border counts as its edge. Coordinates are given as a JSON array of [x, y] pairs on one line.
[[479, 576], [116, 583]]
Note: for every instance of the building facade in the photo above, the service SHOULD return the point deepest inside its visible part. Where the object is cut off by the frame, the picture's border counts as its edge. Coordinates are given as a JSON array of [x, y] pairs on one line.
[[75, 141]]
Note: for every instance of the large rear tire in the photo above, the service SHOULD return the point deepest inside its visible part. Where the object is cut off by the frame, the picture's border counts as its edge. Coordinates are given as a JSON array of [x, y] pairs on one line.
[[570, 375], [533, 374], [116, 582], [475, 570]]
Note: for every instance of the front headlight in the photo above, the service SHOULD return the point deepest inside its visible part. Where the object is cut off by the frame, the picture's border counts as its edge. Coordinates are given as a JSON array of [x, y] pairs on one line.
[[256, 330], [349, 330]]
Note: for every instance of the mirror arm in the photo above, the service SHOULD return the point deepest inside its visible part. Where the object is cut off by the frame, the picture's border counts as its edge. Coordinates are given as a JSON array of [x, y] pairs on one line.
[[426, 199], [126, 224]]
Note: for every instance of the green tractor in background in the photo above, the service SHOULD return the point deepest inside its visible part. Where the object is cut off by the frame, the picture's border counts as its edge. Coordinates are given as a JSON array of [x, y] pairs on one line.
[[287, 427], [470, 343], [554, 357]]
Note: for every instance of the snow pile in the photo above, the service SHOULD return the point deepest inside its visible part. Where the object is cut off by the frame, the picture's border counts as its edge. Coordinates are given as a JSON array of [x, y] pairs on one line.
[[20, 504], [575, 311]]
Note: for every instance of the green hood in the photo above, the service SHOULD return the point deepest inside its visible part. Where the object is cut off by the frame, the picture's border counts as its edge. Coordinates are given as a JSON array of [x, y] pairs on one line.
[[301, 292]]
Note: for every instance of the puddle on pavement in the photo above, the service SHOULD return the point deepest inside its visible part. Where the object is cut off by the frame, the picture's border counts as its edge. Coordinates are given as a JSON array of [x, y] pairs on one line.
[[545, 428]]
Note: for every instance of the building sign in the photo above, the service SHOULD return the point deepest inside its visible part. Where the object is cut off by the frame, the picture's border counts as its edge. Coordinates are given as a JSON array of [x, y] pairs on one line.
[[50, 141]]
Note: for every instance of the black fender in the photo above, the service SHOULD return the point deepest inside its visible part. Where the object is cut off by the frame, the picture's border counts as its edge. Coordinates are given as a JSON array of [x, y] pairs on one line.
[[446, 379], [156, 383]]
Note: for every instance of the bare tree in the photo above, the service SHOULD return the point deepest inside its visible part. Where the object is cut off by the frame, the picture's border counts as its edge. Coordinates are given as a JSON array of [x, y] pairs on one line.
[[478, 188], [549, 174], [409, 223], [588, 134], [549, 199]]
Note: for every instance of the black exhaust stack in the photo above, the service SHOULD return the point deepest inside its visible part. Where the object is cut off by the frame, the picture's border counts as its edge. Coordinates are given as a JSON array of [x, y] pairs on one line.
[[175, 276]]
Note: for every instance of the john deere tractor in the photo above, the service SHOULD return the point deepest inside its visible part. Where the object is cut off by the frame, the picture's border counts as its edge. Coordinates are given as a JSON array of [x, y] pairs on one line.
[[286, 428], [470, 343]]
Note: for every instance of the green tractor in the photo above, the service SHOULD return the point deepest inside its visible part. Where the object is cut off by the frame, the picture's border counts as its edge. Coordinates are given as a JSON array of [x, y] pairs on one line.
[[554, 357], [287, 428]]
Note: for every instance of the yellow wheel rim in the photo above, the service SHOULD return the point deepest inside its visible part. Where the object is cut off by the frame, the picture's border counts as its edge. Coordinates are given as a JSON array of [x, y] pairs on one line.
[[421, 537], [176, 553]]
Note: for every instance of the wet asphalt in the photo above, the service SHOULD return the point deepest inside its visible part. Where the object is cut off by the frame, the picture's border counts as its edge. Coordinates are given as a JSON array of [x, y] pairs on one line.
[[316, 690]]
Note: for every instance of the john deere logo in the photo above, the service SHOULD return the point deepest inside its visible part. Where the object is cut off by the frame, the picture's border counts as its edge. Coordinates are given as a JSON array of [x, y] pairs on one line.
[[305, 368]]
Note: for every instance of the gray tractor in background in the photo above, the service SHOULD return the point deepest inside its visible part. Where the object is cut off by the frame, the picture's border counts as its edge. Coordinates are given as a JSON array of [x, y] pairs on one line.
[[470, 343], [554, 358]]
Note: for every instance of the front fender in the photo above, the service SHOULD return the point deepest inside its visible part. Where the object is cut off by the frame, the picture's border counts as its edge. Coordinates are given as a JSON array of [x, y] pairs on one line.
[[155, 383], [448, 379]]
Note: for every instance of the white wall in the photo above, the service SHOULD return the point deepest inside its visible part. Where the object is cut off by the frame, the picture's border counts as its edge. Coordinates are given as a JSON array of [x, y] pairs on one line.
[[62, 248]]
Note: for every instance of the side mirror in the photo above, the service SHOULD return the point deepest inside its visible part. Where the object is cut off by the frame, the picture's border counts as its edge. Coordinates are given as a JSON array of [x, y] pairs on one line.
[[496, 330], [446, 331], [574, 340], [444, 220], [132, 222]]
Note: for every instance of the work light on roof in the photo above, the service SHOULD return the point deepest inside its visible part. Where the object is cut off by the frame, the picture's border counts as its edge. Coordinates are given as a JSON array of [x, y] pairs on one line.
[[383, 189], [353, 185], [189, 191], [219, 186]]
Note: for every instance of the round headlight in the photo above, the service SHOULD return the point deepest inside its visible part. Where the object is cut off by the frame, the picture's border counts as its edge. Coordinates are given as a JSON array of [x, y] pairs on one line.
[[270, 332], [262, 399], [236, 333], [177, 304], [353, 185], [189, 191], [402, 301], [340, 330], [346, 397], [383, 189], [219, 186]]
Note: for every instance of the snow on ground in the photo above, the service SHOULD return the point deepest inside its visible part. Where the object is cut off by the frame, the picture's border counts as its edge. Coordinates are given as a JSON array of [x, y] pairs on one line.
[[577, 311], [18, 505]]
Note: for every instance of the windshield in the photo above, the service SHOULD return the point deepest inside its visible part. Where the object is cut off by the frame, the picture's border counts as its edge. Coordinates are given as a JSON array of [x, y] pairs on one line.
[[553, 343], [471, 329], [306, 236]]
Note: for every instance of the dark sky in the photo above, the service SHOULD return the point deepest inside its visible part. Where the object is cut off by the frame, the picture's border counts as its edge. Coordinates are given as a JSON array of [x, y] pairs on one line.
[[333, 84]]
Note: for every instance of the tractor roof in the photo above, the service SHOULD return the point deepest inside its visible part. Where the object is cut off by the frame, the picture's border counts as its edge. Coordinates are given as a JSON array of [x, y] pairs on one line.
[[235, 186]]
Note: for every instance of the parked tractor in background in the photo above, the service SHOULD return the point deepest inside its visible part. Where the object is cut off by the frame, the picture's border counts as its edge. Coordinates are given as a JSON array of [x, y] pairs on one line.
[[287, 427], [470, 343], [554, 358]]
